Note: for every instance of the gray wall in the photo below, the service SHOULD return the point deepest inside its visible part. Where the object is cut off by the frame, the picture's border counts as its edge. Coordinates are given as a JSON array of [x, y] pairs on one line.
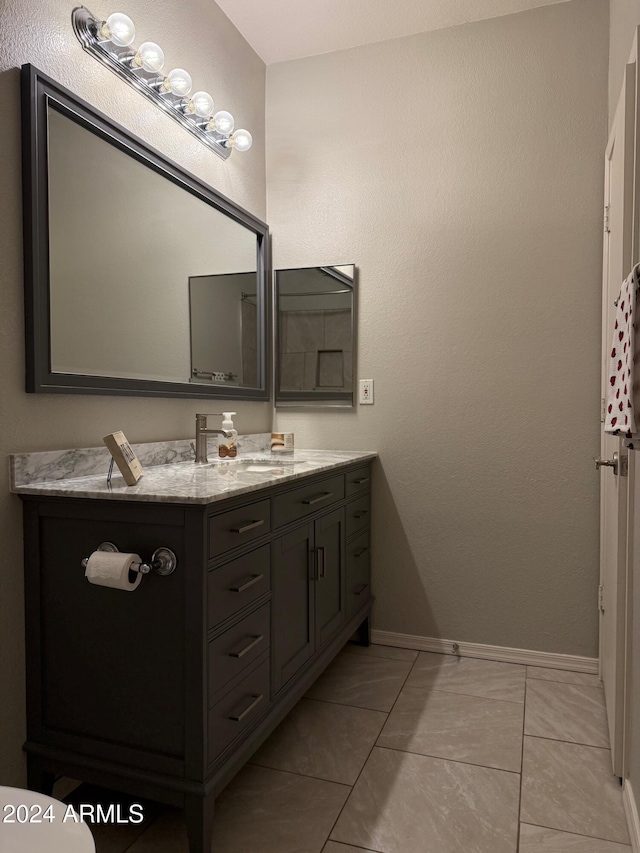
[[462, 171], [199, 37], [625, 17]]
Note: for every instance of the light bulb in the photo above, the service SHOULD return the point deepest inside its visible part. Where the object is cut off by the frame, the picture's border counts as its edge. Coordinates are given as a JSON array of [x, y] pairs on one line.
[[222, 122], [241, 140], [149, 56], [201, 104], [178, 82], [119, 29]]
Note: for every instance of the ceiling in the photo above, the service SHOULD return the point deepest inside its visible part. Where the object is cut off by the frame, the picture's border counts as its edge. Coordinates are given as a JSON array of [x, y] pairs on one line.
[[279, 30]]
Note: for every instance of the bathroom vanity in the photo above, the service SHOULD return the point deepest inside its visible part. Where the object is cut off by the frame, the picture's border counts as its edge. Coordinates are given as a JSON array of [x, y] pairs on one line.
[[166, 691]]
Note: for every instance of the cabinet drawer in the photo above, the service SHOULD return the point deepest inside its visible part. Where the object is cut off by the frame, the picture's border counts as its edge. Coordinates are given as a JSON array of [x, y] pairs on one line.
[[358, 481], [238, 583], [358, 574], [237, 648], [228, 719], [307, 499], [358, 514], [238, 526]]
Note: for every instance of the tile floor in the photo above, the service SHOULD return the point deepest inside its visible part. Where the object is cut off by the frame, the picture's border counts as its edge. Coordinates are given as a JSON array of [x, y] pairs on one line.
[[395, 751]]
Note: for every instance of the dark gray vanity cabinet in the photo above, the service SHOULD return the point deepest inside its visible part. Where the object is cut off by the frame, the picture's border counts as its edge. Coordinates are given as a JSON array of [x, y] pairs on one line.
[[308, 592], [293, 610], [165, 692], [329, 540]]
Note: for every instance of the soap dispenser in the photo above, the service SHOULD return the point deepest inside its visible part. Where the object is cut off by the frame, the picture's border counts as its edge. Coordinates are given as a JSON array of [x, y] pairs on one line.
[[230, 448]]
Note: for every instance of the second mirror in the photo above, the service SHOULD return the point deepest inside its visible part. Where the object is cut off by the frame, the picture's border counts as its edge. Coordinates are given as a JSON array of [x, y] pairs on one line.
[[315, 336]]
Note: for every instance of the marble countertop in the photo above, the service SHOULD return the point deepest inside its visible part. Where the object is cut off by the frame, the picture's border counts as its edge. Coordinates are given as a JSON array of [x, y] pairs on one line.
[[187, 483]]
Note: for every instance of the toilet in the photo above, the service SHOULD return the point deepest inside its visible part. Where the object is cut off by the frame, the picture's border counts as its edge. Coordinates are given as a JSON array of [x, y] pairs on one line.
[[32, 822]]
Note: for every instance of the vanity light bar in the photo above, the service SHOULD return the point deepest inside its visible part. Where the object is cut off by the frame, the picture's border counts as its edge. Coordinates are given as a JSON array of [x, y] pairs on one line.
[[111, 42]]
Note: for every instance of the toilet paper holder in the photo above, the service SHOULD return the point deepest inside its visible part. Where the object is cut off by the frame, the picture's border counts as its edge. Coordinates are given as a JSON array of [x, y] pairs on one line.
[[163, 560]]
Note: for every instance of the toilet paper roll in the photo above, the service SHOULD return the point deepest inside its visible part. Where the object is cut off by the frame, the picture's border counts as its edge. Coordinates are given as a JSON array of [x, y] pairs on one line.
[[106, 568]]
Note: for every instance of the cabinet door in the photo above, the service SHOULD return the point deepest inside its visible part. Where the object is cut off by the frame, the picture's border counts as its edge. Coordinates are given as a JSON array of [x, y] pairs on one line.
[[293, 634], [330, 596]]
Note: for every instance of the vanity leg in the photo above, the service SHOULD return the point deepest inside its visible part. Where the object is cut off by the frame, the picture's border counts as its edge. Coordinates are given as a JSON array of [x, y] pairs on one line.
[[38, 779], [364, 633], [198, 813]]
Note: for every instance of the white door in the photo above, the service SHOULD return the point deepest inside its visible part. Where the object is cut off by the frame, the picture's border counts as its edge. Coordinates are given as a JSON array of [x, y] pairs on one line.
[[618, 256]]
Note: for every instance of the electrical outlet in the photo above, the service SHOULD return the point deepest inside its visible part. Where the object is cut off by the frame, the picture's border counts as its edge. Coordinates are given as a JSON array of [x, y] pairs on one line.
[[366, 392]]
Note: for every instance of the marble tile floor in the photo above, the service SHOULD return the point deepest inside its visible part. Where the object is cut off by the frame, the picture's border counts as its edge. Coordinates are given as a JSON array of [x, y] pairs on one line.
[[397, 751]]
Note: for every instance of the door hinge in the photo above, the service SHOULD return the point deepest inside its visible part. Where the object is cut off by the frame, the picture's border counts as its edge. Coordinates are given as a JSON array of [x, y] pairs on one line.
[[603, 406], [607, 229], [601, 598]]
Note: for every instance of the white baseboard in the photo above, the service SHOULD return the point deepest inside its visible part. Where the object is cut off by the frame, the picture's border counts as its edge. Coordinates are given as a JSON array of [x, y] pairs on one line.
[[479, 650], [631, 813]]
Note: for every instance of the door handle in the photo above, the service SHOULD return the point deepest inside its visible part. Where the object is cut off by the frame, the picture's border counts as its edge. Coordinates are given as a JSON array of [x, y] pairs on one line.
[[618, 463], [322, 569], [311, 563]]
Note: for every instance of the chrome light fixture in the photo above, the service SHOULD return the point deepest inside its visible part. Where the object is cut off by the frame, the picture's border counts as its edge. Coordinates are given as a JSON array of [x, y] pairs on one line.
[[111, 42]]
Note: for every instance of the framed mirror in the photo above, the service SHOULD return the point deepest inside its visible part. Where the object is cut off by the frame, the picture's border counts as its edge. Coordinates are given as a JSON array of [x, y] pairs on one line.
[[135, 270], [315, 346]]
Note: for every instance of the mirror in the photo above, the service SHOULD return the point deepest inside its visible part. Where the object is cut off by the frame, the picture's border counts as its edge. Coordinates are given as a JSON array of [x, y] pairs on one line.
[[138, 271], [315, 336], [231, 357]]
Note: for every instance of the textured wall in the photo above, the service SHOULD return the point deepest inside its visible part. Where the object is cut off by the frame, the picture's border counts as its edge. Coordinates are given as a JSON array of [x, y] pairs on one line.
[[462, 171], [196, 35]]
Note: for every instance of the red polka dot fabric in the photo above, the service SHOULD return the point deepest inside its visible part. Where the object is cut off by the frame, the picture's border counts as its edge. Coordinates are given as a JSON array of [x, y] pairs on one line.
[[622, 388]]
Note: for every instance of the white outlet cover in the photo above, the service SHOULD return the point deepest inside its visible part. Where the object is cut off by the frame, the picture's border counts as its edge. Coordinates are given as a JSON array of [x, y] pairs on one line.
[[365, 395]]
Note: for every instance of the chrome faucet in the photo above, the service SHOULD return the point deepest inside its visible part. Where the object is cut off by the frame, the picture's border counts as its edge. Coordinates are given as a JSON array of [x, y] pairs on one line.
[[202, 432]]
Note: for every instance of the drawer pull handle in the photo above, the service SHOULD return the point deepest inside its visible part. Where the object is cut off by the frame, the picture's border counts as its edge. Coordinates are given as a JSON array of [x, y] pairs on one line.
[[247, 527], [360, 589], [242, 587], [322, 497], [256, 701], [254, 642], [361, 514], [361, 481], [361, 552]]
